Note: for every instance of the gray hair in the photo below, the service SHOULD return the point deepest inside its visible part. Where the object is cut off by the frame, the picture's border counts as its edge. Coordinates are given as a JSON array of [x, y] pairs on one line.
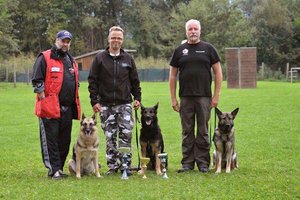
[[116, 28], [192, 21]]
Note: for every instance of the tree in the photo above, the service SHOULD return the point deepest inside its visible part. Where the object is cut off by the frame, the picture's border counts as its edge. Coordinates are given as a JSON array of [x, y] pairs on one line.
[[273, 34], [8, 42], [222, 23]]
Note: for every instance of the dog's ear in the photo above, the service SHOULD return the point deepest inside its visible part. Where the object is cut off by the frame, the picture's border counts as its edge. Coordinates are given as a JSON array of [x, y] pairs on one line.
[[156, 106], [94, 118], [83, 116], [234, 112], [219, 112]]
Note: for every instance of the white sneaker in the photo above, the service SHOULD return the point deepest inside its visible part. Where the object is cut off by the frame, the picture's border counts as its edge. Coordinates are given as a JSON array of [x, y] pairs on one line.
[[57, 176]]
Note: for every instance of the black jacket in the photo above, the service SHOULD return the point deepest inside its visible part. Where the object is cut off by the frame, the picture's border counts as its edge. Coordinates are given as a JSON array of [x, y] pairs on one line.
[[113, 79]]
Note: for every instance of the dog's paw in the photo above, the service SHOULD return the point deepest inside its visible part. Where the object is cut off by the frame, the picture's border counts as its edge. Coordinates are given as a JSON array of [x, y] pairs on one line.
[[159, 173], [218, 172], [228, 171], [78, 176], [98, 175]]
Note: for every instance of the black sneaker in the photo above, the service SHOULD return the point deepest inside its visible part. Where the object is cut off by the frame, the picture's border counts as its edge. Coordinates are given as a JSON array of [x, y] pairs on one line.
[[184, 169], [203, 169], [111, 171], [57, 176], [64, 175]]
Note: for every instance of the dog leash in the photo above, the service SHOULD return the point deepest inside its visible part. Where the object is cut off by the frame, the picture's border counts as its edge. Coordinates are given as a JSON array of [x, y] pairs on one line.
[[137, 139], [215, 116]]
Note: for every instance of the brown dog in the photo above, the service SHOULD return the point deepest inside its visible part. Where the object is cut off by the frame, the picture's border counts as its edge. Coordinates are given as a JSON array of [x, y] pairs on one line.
[[224, 155], [85, 151]]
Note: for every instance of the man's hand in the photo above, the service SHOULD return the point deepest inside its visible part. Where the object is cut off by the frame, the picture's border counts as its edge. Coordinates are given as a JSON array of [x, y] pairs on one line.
[[136, 104], [97, 107], [41, 95], [175, 105], [214, 101]]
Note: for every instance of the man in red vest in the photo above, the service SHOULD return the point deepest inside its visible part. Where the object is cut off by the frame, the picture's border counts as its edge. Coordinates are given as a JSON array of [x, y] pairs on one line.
[[55, 81]]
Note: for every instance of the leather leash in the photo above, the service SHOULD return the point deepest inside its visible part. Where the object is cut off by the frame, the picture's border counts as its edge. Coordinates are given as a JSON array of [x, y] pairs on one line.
[[215, 116], [137, 138]]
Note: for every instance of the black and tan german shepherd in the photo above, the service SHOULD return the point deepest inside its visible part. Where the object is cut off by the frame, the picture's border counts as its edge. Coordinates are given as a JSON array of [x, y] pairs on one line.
[[224, 155], [151, 139], [85, 152]]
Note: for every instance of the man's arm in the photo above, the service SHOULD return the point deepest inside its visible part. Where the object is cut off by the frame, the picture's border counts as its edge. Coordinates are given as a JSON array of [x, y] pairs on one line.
[[172, 84], [38, 76], [218, 83]]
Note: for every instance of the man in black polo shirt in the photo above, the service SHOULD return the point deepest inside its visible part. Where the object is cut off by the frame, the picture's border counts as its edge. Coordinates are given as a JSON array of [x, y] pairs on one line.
[[194, 60]]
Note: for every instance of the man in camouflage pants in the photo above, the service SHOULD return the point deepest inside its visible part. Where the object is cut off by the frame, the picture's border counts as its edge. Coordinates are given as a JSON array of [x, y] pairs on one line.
[[116, 119], [113, 81]]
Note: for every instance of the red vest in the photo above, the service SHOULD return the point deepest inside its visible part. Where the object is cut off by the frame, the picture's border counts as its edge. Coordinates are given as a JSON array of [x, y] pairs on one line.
[[49, 106]]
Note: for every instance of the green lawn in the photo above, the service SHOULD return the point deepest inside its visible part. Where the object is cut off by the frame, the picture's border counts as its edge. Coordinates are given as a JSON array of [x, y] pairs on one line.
[[267, 142]]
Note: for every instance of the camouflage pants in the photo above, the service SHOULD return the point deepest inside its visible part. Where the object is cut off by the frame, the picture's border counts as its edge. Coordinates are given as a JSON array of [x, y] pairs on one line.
[[117, 124]]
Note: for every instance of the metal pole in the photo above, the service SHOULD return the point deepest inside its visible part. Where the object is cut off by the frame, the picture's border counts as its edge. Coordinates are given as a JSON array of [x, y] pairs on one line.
[[287, 70], [28, 78], [239, 67], [263, 70], [6, 76], [15, 75]]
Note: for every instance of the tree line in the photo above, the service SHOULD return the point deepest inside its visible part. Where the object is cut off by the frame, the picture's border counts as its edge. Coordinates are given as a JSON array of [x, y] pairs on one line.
[[154, 27]]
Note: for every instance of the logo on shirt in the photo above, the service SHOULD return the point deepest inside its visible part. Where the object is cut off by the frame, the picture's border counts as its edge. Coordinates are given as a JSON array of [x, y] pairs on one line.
[[71, 70], [55, 69], [185, 51], [124, 65], [200, 51]]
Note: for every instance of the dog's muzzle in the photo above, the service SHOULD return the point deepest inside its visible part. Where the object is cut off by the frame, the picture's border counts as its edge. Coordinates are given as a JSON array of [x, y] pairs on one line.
[[88, 131], [227, 127], [148, 121]]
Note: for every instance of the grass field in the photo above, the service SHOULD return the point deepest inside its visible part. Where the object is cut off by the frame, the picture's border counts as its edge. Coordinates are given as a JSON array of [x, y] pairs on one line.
[[267, 141]]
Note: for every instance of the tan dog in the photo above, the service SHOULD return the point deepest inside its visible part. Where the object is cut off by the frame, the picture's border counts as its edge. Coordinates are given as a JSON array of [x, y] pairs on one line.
[[224, 155], [85, 151]]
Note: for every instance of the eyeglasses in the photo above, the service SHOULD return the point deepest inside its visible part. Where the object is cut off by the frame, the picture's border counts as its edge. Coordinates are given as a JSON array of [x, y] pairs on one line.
[[116, 38]]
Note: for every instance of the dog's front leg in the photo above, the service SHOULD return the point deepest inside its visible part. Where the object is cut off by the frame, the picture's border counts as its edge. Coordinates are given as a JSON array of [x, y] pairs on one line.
[[219, 161], [229, 152], [78, 160], [219, 153], [214, 160], [96, 165], [143, 152], [156, 151], [157, 167]]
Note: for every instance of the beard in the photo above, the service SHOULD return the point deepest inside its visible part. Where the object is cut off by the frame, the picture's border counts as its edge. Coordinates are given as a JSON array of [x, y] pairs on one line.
[[62, 48], [194, 39], [115, 47]]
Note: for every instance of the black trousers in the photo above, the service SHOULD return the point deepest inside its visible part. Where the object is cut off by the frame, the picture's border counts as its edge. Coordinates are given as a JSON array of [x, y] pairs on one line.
[[55, 137], [195, 111]]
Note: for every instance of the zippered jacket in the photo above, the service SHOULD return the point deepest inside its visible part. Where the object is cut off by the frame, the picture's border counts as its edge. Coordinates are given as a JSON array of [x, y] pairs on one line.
[[113, 80]]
